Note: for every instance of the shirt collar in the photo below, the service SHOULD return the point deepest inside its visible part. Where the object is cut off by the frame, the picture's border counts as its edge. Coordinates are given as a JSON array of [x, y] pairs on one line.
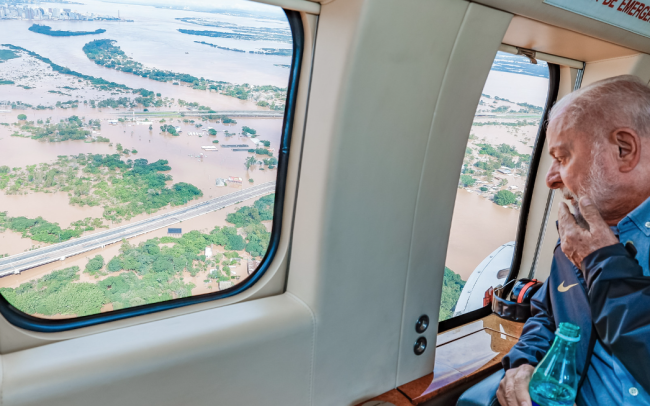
[[639, 217]]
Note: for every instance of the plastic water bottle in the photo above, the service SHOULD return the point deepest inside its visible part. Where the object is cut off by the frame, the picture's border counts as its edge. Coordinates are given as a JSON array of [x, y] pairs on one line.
[[555, 380]]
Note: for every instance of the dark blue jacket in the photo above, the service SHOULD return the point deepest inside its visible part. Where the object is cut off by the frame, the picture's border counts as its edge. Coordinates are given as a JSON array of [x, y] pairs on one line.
[[615, 297]]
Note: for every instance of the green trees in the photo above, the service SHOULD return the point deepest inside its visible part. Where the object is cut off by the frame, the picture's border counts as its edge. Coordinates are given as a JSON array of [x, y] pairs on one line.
[[6, 55], [124, 189], [250, 161], [212, 131], [39, 229], [46, 30], [452, 286], [248, 131], [56, 294], [261, 210], [95, 265], [150, 272], [170, 129], [467, 180], [22, 117], [114, 265], [251, 217], [271, 162], [504, 198]]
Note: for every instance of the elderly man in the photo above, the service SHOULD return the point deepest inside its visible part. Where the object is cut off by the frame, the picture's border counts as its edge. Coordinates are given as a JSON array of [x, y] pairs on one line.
[[599, 138]]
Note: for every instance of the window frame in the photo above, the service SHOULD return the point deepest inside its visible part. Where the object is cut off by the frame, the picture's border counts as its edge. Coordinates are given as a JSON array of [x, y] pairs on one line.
[[28, 322], [538, 149]]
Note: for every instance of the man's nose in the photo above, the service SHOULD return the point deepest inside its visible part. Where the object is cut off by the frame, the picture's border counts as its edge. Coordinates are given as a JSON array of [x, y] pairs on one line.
[[553, 178]]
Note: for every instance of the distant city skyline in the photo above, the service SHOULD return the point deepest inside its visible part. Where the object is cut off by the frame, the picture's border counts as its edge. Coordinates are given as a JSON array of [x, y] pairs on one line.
[[26, 12]]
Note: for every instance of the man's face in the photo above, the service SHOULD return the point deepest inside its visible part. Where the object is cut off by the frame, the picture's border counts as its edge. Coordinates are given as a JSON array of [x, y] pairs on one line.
[[573, 171]]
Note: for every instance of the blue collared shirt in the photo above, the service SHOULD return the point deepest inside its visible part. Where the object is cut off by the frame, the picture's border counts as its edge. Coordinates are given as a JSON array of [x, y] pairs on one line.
[[608, 382]]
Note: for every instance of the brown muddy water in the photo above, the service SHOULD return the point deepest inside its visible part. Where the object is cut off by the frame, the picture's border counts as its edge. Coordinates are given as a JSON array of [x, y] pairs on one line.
[[188, 161], [478, 227]]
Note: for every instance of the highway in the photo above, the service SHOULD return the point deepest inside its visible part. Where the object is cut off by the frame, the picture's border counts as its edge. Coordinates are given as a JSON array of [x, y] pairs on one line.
[[227, 113], [16, 263]]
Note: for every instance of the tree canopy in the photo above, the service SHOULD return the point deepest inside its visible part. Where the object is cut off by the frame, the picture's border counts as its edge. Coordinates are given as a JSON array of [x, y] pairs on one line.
[[504, 198]]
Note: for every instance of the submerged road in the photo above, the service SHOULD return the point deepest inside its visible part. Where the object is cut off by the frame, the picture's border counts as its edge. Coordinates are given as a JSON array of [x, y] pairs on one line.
[[30, 259]]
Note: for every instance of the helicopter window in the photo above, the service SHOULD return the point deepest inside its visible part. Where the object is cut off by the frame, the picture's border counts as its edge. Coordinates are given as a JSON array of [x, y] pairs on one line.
[[492, 182], [157, 137]]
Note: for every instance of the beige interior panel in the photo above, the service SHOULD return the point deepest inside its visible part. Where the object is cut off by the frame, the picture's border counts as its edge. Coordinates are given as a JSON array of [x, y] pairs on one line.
[[253, 353], [526, 33], [476, 46], [369, 123], [537, 10], [567, 81], [638, 65]]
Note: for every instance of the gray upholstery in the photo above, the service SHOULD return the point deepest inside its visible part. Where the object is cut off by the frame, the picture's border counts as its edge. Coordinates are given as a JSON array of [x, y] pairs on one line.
[[483, 393]]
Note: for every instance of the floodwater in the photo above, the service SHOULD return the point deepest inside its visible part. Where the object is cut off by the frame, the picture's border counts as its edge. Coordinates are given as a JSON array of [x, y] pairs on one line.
[[517, 88], [188, 161], [153, 40], [478, 227]]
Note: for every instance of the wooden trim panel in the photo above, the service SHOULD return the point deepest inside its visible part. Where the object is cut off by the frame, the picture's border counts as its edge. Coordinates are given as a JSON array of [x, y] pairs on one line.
[[464, 355]]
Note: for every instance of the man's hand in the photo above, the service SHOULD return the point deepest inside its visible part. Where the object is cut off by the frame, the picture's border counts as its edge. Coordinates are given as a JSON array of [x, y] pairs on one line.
[[578, 242], [513, 389]]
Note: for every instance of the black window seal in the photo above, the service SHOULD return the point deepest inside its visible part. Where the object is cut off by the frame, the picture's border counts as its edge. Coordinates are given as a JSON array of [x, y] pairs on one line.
[[28, 322], [553, 88]]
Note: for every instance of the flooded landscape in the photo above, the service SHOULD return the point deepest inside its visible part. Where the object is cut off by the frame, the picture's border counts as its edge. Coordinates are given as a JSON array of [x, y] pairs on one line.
[[121, 116], [495, 169]]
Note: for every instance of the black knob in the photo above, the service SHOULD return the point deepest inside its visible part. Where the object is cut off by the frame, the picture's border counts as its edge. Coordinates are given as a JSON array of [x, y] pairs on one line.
[[420, 346], [422, 324]]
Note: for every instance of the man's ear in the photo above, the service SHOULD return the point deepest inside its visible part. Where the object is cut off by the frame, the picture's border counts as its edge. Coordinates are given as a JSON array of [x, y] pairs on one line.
[[629, 148]]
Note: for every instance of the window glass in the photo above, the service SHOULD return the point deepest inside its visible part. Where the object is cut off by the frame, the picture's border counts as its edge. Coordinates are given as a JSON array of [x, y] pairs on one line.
[[139, 148], [492, 181]]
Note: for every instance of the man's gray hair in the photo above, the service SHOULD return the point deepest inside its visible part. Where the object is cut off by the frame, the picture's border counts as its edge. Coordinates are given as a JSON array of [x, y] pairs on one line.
[[603, 106]]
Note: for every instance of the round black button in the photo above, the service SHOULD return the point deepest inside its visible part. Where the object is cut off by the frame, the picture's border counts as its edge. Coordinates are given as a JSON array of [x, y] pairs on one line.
[[422, 324], [420, 346]]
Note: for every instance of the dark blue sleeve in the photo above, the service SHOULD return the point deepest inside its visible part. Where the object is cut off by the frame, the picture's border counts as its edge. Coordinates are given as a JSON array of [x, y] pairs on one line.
[[619, 297], [537, 335]]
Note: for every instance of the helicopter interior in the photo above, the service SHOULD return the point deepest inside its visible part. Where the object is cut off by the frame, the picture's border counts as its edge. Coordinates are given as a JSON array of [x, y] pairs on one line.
[[387, 108]]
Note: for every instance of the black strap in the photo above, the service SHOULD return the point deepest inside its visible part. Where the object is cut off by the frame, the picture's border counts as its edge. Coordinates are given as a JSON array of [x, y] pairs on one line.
[[590, 350]]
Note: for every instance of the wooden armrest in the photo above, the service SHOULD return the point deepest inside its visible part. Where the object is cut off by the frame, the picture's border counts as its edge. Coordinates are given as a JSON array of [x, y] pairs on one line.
[[464, 356]]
